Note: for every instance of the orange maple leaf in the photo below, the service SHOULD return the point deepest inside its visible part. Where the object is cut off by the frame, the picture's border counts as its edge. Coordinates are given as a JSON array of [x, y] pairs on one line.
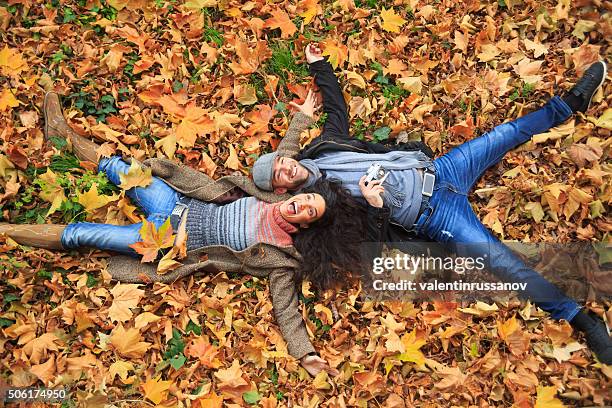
[[153, 240], [260, 116], [281, 20], [195, 122]]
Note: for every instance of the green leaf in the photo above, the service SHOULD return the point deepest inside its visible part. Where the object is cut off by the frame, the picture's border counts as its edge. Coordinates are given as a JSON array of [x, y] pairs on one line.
[[178, 361], [9, 297], [91, 281], [382, 133], [192, 327], [251, 397], [6, 322]]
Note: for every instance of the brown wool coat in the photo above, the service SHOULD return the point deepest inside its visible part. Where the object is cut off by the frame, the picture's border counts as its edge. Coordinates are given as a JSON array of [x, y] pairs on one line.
[[259, 260]]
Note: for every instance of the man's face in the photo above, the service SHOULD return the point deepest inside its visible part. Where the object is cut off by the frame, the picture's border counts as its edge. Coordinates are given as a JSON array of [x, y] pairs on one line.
[[303, 209], [287, 174]]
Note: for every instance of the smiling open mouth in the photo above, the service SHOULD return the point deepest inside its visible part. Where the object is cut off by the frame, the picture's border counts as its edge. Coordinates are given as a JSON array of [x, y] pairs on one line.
[[292, 208], [294, 172]]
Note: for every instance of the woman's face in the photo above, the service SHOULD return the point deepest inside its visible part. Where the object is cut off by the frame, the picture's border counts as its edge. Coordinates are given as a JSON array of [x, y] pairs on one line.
[[303, 209]]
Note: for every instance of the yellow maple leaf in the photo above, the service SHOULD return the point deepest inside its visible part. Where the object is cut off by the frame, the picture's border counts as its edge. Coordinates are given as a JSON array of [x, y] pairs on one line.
[[135, 177], [546, 398], [391, 21], [337, 53], [412, 347], [168, 263], [309, 9], [8, 100], [199, 4], [51, 191], [156, 390], [320, 381], [92, 200], [127, 342], [11, 61], [121, 369]]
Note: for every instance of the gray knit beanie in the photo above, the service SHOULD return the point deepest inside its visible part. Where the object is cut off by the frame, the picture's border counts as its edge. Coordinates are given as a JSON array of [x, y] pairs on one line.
[[262, 171]]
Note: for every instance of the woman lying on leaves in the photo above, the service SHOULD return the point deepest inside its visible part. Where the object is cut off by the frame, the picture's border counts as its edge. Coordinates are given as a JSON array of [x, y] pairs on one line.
[[255, 235]]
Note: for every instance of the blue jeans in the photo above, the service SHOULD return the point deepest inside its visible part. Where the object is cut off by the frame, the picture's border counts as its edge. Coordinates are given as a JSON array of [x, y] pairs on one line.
[[449, 218], [157, 200]]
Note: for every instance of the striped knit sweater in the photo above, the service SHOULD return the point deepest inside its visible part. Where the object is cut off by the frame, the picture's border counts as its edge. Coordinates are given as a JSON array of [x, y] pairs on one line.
[[238, 225]]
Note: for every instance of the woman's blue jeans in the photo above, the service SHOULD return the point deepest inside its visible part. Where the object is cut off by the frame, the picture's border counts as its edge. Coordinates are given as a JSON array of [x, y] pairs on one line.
[[157, 200], [449, 217]]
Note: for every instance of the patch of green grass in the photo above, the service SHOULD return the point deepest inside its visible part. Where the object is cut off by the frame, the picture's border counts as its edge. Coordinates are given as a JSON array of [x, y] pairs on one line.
[[99, 107], [524, 92], [283, 62], [260, 87], [322, 119], [212, 35]]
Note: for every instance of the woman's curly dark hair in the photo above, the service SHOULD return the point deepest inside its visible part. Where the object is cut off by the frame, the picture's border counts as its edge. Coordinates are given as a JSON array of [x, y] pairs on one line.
[[330, 247]]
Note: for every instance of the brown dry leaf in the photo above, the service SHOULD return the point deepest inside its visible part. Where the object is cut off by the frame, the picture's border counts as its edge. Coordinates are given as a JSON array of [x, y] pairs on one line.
[[231, 377], [125, 297], [37, 348], [452, 378], [127, 342]]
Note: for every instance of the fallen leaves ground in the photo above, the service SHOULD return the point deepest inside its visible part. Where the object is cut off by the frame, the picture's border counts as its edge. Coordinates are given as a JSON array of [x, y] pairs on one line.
[[208, 82]]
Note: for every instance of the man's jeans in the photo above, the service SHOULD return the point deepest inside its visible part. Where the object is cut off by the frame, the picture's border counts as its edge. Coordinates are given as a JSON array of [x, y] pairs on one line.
[[450, 218], [157, 200]]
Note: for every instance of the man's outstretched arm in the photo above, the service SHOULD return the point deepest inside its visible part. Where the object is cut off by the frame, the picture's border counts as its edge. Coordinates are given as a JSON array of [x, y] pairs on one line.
[[337, 123]]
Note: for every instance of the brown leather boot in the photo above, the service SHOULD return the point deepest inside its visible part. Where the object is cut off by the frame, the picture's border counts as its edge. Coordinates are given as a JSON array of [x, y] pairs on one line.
[[36, 235], [56, 126]]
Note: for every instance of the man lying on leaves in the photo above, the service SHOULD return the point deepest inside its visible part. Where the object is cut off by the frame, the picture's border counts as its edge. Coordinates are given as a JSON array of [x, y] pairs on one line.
[[256, 235], [413, 196]]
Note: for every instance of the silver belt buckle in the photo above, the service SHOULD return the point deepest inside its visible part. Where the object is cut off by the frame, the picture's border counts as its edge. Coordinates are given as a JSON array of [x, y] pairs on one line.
[[428, 184]]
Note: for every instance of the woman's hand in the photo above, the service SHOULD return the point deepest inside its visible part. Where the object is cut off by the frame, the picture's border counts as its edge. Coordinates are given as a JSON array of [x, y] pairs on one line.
[[313, 53], [309, 106], [372, 192], [315, 364]]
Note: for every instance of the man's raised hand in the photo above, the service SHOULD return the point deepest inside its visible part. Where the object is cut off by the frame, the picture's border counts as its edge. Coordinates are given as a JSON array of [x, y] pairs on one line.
[[313, 53]]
